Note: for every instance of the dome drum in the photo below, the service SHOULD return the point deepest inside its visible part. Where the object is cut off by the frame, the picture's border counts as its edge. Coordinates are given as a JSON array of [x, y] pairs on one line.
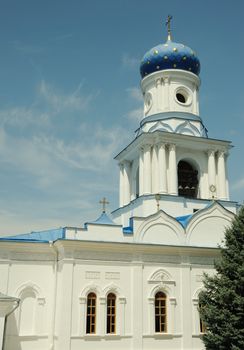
[[170, 91]]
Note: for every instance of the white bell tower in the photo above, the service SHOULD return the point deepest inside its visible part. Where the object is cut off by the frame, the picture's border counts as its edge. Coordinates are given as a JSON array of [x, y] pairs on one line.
[[171, 161]]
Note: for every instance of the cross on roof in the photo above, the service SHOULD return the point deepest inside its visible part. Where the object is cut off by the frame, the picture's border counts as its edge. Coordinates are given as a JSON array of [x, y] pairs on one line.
[[169, 18], [104, 202]]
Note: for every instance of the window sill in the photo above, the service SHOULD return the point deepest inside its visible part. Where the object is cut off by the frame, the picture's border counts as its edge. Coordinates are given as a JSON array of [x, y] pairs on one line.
[[199, 335], [97, 337], [162, 335], [31, 336]]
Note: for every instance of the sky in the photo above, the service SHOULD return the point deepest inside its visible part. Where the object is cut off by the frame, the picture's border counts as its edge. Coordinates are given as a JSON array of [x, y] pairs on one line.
[[70, 97]]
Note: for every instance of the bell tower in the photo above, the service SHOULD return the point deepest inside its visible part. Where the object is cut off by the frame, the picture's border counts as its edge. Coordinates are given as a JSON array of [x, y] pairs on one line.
[[171, 157]]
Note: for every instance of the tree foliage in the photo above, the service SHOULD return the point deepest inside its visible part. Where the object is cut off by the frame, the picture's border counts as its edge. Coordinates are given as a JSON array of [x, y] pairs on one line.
[[222, 300]]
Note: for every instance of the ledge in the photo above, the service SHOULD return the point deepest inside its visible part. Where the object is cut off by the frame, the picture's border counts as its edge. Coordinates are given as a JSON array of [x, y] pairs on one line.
[[162, 335], [97, 337]]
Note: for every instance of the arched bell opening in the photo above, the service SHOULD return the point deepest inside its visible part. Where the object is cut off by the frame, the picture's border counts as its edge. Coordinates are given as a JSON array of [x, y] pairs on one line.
[[187, 180]]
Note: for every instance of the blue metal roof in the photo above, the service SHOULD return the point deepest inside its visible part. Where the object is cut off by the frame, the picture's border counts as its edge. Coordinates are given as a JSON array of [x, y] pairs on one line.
[[170, 55], [183, 220], [129, 229], [37, 236], [103, 219]]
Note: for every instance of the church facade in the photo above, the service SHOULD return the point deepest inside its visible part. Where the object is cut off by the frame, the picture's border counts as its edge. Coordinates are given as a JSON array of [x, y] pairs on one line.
[[131, 279]]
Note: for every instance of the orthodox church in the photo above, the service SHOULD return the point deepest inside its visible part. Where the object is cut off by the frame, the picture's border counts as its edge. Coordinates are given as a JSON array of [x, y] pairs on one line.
[[130, 279]]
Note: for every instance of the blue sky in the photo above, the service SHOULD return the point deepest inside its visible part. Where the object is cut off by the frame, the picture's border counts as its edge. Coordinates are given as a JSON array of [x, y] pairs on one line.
[[70, 98]]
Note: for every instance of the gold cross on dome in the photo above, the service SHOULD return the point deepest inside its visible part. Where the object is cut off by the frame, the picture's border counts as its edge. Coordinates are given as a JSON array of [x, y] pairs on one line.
[[104, 202], [169, 18]]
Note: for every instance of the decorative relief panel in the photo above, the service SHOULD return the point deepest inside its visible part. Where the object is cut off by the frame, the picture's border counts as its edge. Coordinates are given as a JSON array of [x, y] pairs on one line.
[[93, 275], [112, 275]]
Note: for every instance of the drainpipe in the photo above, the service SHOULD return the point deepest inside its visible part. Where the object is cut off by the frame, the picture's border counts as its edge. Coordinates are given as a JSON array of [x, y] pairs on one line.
[[51, 334], [5, 320]]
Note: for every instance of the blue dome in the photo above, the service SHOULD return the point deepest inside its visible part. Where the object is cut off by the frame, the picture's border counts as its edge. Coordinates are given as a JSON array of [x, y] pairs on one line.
[[170, 55]]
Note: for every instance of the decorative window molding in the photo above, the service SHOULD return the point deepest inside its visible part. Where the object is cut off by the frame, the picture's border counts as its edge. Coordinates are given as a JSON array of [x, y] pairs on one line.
[[30, 293], [162, 282], [197, 323], [101, 310], [90, 288]]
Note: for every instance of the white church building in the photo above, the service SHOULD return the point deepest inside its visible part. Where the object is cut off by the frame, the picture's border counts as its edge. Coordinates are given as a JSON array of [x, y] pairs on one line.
[[130, 279]]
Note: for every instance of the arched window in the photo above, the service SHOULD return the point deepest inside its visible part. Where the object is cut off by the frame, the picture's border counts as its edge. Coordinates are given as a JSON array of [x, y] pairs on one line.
[[91, 313], [187, 180], [160, 313], [201, 324], [111, 313]]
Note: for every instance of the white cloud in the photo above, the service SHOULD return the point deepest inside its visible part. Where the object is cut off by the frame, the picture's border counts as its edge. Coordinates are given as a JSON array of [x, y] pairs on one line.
[[135, 93], [59, 102], [47, 169], [130, 61], [238, 185], [23, 116], [135, 114], [27, 49]]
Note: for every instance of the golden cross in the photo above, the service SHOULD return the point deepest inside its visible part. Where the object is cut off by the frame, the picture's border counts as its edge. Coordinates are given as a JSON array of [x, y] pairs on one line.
[[169, 18], [104, 202]]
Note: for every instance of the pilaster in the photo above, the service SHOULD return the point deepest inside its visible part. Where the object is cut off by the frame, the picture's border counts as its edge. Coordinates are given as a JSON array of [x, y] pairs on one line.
[[137, 305], [141, 172], [121, 184], [155, 170], [221, 175], [147, 169], [65, 304], [173, 190], [162, 168], [211, 173], [127, 171]]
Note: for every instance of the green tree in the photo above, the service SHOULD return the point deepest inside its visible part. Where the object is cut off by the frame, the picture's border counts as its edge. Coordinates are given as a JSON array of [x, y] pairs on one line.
[[222, 300]]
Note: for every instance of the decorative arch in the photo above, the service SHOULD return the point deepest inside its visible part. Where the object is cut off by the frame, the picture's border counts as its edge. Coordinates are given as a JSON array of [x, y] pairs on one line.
[[30, 314], [160, 275], [160, 228], [91, 287], [111, 288], [29, 285], [207, 226], [161, 126], [187, 128]]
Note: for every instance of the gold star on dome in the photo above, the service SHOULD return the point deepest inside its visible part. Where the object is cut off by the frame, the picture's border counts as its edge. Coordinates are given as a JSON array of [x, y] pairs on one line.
[[165, 57], [184, 58], [155, 52], [175, 49]]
